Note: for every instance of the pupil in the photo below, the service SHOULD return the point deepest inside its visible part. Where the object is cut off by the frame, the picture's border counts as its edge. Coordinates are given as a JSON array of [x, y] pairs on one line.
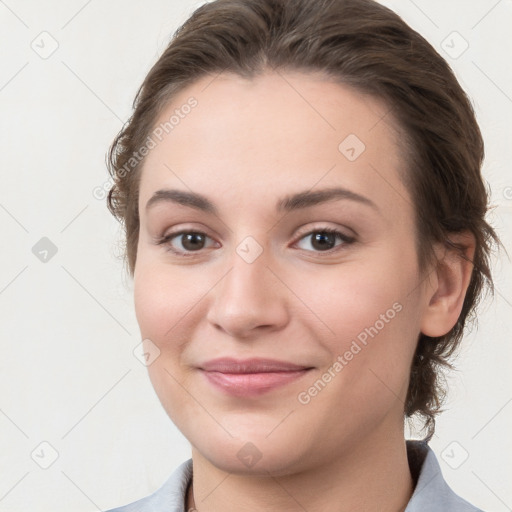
[[323, 240], [192, 241]]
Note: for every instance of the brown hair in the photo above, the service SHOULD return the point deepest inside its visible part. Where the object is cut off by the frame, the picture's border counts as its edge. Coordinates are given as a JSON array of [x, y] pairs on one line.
[[365, 45]]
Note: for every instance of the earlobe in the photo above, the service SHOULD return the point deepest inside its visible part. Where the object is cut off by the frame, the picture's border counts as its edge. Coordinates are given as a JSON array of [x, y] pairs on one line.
[[448, 284]]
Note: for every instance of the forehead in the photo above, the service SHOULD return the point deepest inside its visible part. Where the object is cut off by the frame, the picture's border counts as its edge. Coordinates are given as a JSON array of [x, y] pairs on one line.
[[272, 133]]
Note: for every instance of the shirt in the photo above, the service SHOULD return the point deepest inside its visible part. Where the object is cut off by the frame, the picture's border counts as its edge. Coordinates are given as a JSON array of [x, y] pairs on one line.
[[431, 492]]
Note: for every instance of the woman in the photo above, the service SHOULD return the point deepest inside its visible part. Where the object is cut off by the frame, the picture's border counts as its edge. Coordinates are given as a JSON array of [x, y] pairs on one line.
[[305, 225]]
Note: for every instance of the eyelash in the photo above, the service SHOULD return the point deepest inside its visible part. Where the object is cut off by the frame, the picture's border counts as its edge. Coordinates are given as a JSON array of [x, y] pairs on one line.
[[347, 240]]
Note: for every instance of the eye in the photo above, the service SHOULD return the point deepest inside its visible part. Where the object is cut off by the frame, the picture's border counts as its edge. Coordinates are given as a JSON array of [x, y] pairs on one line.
[[324, 239], [187, 242]]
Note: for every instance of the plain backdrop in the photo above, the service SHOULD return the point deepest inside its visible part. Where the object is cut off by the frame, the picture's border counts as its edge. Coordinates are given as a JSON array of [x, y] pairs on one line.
[[80, 426]]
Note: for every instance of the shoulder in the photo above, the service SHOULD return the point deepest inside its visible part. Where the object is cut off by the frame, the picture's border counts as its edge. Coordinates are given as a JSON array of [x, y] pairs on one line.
[[170, 497], [432, 493]]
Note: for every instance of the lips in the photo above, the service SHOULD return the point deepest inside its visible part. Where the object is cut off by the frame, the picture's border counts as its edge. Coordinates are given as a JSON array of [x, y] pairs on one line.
[[255, 365], [251, 377]]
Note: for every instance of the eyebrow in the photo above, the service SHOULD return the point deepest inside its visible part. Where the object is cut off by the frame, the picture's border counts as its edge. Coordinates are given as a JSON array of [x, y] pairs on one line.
[[288, 203]]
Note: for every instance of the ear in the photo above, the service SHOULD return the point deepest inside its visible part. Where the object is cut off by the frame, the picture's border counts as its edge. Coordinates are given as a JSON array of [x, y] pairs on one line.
[[448, 284]]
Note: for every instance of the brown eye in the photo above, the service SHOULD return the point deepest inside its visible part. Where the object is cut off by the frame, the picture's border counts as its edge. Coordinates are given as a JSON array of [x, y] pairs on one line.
[[192, 241], [323, 240], [184, 243]]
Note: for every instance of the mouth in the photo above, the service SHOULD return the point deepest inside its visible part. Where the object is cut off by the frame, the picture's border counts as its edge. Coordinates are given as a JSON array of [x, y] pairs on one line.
[[251, 377]]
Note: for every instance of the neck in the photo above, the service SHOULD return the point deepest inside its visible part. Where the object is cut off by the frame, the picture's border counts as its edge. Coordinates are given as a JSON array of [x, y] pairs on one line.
[[375, 476]]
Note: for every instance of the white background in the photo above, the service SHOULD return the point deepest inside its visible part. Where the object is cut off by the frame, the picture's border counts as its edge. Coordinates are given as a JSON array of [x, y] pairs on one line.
[[68, 376]]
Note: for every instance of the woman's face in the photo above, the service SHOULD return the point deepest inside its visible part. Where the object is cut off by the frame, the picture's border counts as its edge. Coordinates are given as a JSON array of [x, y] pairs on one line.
[[250, 166]]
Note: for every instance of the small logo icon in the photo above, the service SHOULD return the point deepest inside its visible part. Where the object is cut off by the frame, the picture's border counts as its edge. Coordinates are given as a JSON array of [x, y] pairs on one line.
[[99, 193], [455, 455], [454, 45], [249, 455], [248, 249], [44, 250], [44, 45], [44, 455], [146, 352], [351, 147]]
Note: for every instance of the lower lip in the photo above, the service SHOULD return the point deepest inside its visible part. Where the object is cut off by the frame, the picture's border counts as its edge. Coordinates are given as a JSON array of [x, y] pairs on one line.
[[252, 384]]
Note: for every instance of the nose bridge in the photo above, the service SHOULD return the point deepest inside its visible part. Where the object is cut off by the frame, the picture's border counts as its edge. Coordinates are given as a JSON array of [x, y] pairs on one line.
[[249, 275], [249, 295]]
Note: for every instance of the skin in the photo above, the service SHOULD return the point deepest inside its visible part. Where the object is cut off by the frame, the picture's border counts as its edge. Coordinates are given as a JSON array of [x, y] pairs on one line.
[[246, 145]]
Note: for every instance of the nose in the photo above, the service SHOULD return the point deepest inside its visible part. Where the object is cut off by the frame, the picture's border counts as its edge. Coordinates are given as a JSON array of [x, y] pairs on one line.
[[249, 300]]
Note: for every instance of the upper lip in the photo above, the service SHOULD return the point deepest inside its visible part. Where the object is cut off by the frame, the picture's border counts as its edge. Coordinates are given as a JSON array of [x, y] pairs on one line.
[[253, 365]]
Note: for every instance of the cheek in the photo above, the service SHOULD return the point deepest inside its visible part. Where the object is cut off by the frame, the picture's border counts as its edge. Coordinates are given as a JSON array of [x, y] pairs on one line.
[[369, 313], [351, 298], [163, 300]]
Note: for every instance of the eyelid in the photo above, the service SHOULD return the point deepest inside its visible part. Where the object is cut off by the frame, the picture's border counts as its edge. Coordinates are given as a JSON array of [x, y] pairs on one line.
[[165, 240], [325, 227], [346, 240]]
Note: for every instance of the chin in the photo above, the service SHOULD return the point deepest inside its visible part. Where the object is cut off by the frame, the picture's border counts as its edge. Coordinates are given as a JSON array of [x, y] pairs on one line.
[[254, 454]]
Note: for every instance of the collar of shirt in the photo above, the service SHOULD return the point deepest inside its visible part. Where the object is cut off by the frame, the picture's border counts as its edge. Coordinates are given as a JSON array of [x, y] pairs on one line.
[[431, 493]]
